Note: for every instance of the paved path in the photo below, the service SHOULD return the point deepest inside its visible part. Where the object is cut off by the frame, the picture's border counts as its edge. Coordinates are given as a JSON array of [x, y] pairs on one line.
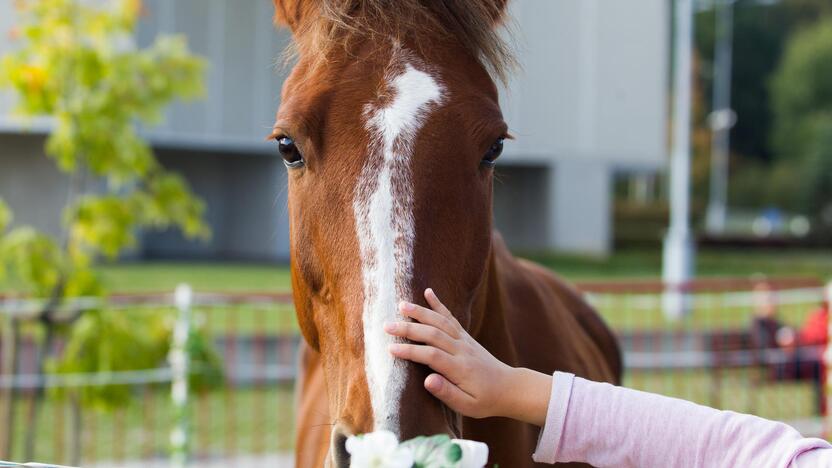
[[269, 460]]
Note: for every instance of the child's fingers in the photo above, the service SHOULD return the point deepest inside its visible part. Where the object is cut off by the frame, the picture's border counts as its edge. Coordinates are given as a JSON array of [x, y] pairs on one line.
[[435, 358], [421, 333], [450, 394], [437, 305], [429, 317]]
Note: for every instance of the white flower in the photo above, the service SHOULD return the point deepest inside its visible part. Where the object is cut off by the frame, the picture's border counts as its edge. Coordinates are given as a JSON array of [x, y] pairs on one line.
[[474, 454], [378, 450]]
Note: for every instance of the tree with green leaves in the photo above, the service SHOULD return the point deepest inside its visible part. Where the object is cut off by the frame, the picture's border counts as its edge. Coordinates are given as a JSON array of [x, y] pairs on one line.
[[802, 108], [77, 63], [761, 31]]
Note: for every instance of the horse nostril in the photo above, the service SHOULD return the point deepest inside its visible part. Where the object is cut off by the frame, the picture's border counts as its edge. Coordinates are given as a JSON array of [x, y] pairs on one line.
[[338, 448]]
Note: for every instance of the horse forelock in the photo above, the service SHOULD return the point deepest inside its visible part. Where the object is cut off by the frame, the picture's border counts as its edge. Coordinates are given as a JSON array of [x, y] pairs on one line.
[[325, 30], [383, 210]]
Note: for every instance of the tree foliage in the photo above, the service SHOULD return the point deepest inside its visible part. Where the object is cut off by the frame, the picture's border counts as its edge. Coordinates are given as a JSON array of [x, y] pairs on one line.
[[761, 32], [802, 90], [767, 166], [802, 106], [148, 333], [76, 62]]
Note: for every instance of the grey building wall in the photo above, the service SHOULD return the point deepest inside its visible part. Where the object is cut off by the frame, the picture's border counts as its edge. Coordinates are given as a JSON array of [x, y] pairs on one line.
[[566, 206], [579, 215], [592, 82], [246, 208], [588, 100], [245, 198], [31, 184], [244, 76], [519, 193], [218, 143]]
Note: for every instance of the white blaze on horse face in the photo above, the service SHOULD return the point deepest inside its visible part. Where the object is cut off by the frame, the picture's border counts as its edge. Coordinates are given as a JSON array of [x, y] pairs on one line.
[[383, 208]]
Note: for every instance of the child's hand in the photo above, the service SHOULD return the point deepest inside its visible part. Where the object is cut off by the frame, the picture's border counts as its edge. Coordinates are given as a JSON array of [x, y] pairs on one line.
[[469, 380]]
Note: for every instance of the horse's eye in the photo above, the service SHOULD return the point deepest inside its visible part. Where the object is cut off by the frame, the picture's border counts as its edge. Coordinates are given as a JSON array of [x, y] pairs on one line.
[[494, 152], [289, 152]]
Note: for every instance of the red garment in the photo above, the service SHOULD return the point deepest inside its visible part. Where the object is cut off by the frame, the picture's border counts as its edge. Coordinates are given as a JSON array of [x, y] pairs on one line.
[[815, 330]]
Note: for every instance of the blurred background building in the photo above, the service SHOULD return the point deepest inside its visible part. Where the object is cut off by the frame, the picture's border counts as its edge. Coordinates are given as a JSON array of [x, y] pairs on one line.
[[589, 101], [217, 143]]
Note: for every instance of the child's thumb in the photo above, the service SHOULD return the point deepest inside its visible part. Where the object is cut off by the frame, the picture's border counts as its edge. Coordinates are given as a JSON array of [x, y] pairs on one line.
[[450, 394]]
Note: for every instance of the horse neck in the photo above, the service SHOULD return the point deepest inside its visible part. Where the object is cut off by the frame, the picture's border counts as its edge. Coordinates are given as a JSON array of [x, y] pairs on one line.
[[488, 314]]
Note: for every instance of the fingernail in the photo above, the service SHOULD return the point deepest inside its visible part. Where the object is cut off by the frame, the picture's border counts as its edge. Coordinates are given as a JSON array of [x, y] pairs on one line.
[[406, 306], [429, 291], [394, 348], [432, 383], [390, 327]]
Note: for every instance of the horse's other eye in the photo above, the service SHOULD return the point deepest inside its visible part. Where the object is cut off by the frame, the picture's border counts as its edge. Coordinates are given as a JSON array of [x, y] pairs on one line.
[[289, 152], [494, 152]]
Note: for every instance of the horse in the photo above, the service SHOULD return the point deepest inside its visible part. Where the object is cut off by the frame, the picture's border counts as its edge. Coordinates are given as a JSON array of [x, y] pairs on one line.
[[390, 127]]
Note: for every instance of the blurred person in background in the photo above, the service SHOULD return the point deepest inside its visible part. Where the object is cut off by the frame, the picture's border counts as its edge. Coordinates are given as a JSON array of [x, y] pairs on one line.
[[814, 332], [786, 353], [766, 329], [806, 346]]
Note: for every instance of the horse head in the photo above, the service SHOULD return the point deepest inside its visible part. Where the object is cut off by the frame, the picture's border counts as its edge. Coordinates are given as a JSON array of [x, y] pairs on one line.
[[390, 126]]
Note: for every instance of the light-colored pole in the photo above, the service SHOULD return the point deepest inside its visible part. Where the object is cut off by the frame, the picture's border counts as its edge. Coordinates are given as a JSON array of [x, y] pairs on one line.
[[180, 365], [678, 254], [721, 119]]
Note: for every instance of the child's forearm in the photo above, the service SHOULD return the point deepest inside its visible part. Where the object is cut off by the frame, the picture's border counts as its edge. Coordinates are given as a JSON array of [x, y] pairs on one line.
[[527, 396], [605, 425]]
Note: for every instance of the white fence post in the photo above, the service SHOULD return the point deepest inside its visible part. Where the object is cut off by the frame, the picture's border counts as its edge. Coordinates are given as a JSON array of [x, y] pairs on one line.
[[827, 367], [179, 364], [679, 251]]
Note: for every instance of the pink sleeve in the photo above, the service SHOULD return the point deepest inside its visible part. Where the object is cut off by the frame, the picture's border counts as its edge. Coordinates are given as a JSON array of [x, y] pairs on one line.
[[604, 425]]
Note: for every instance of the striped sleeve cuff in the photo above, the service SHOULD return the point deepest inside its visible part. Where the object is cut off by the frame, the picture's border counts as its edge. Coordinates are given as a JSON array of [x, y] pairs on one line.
[[549, 438]]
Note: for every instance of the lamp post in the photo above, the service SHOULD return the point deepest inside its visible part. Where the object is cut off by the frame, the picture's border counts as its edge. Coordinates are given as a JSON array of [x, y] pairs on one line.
[[722, 118], [678, 255]]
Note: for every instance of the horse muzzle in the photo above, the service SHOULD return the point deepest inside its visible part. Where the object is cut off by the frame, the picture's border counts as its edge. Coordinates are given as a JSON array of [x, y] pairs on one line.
[[338, 455]]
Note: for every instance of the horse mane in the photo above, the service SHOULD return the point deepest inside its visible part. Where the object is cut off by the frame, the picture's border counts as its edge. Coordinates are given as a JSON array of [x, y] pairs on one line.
[[329, 25]]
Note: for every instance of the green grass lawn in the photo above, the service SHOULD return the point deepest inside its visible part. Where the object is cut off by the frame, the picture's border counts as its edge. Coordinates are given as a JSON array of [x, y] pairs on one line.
[[156, 276], [213, 276], [162, 276], [238, 277], [737, 262]]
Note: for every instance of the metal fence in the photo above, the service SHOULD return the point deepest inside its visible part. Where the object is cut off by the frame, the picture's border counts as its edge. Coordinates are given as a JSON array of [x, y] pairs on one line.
[[248, 420], [712, 356]]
